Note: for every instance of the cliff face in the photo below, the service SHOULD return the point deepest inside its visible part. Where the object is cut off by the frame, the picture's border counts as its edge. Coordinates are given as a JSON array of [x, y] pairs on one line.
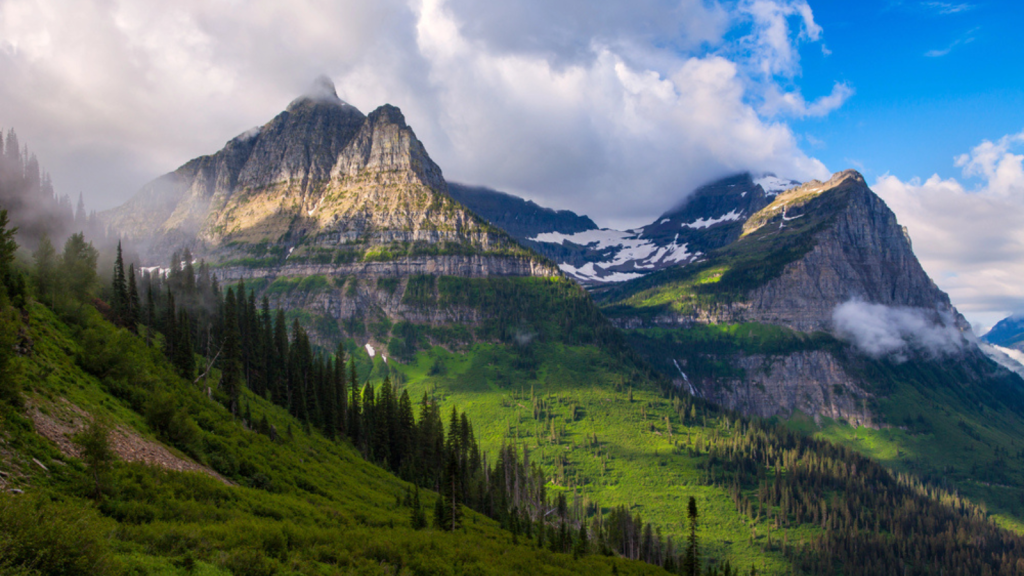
[[810, 251], [320, 177], [811, 382]]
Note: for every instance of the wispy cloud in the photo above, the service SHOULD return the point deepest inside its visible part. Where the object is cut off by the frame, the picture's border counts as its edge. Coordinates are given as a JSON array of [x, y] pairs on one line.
[[965, 39], [948, 7]]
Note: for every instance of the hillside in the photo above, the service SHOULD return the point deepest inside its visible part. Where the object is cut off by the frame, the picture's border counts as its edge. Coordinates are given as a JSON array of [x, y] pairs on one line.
[[193, 489], [820, 313]]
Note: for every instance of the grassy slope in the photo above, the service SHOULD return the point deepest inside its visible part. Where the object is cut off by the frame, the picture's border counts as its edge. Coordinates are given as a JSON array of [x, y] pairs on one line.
[[321, 508], [635, 463], [963, 437]]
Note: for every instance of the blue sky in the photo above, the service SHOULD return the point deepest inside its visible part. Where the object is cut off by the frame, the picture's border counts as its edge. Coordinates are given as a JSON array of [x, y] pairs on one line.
[[932, 79]]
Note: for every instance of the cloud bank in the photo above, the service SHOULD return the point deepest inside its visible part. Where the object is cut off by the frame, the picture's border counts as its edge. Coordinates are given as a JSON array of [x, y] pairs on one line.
[[970, 240], [879, 330], [569, 103]]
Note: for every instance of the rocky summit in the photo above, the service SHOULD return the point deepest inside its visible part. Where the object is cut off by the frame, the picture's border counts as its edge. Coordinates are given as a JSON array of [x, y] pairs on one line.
[[320, 184]]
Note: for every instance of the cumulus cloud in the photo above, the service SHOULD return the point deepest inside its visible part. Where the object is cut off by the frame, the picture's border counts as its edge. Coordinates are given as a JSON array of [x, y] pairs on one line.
[[569, 103], [970, 240], [879, 330]]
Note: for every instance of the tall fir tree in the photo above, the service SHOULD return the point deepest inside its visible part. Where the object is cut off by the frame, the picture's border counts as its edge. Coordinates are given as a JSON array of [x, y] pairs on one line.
[[231, 367], [691, 562], [120, 290], [134, 312]]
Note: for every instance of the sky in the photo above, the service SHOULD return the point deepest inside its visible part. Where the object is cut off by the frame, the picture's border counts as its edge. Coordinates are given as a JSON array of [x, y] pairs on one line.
[[612, 109]]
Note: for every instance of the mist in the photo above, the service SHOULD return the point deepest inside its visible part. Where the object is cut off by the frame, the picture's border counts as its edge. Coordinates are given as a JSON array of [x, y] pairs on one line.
[[895, 331]]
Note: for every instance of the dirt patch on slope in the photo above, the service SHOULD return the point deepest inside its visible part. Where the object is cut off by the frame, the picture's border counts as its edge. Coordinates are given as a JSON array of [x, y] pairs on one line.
[[64, 420]]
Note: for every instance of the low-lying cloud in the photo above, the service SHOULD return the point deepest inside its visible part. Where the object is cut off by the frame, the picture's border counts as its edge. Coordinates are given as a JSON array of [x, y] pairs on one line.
[[879, 330]]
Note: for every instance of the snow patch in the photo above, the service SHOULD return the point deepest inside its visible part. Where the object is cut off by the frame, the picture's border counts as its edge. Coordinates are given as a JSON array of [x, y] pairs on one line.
[[370, 350], [772, 184], [709, 222]]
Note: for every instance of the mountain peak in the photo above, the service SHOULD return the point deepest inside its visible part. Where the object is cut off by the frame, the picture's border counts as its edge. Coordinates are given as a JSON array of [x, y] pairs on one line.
[[320, 91]]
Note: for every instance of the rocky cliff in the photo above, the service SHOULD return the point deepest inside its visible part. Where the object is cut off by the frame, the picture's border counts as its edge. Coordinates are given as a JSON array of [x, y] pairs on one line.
[[319, 182], [826, 258]]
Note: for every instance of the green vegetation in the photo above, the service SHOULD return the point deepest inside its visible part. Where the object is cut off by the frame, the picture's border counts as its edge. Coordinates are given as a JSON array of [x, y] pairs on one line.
[[941, 421], [276, 498]]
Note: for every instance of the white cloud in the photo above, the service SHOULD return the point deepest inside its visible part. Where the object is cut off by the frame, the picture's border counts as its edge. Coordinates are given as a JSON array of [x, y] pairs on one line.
[[793, 103], [613, 109], [970, 241], [879, 330]]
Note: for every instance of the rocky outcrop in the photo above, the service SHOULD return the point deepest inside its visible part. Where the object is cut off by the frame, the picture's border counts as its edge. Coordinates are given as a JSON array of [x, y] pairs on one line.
[[463, 266], [811, 382], [863, 254], [320, 174]]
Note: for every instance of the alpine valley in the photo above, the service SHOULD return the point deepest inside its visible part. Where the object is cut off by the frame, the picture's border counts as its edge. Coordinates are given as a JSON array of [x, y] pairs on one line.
[[317, 356]]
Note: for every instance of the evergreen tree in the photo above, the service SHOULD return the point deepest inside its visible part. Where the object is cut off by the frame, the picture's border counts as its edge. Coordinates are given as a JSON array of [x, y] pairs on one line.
[[341, 391], [46, 278], [78, 266], [184, 358], [231, 371], [419, 518], [134, 313], [384, 425], [271, 362], [282, 390], [355, 417], [691, 563], [120, 290]]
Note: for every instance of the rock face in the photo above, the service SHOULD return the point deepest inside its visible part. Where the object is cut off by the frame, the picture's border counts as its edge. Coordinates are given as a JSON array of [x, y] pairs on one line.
[[811, 382], [830, 242], [795, 260], [325, 194], [320, 181]]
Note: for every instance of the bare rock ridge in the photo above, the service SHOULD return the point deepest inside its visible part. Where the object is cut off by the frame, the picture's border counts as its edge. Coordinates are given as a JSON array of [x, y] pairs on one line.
[[319, 183], [809, 251]]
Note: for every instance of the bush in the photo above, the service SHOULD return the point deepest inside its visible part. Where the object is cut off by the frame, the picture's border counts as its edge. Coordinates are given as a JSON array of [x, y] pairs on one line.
[[40, 536]]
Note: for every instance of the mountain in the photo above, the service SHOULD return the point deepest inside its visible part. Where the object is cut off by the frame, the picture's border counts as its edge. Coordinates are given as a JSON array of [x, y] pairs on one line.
[[320, 184], [521, 218], [1007, 333], [710, 217], [350, 206]]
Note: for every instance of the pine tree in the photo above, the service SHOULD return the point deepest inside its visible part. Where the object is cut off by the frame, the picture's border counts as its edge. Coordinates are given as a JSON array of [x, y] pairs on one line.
[[283, 393], [419, 519], [355, 417], [691, 563], [231, 371], [45, 258], [341, 390], [134, 313], [184, 358], [120, 297]]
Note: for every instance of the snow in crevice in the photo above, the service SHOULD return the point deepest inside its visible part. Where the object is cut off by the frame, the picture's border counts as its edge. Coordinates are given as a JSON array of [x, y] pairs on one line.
[[370, 350], [732, 215], [772, 184]]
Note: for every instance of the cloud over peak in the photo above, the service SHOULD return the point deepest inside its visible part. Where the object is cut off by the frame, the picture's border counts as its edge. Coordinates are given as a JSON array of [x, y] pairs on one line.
[[567, 102]]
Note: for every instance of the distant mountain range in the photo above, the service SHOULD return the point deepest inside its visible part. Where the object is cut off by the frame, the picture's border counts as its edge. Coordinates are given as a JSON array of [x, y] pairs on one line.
[[710, 217]]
